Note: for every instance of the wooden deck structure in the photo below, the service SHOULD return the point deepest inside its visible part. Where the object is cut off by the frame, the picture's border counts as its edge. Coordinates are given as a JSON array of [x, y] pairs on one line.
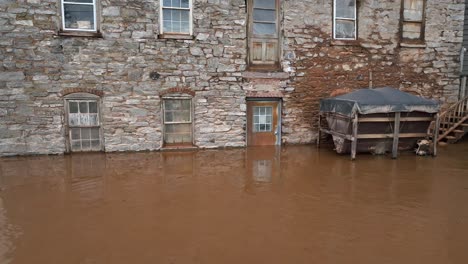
[[402, 128]]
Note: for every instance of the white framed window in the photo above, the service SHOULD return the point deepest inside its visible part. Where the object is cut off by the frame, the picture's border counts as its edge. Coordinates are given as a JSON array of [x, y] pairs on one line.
[[344, 19], [84, 125], [412, 26], [177, 120], [79, 15], [176, 17]]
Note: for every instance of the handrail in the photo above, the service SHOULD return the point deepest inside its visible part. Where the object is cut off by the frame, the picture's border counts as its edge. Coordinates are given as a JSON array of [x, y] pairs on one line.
[[453, 106], [453, 117]]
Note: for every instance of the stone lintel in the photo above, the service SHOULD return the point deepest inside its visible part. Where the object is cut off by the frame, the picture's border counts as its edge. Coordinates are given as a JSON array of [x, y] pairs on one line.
[[265, 75]]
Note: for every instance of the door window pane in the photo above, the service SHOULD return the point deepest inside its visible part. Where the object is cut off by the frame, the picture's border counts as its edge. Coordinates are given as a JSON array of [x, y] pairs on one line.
[[262, 119]]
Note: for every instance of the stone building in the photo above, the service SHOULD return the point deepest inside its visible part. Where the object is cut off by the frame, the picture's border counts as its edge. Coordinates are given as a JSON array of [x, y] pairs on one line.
[[118, 75]]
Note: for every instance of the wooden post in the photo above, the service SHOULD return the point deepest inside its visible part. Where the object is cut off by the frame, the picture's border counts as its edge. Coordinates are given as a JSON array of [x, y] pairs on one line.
[[396, 135], [354, 139], [435, 138], [319, 130]]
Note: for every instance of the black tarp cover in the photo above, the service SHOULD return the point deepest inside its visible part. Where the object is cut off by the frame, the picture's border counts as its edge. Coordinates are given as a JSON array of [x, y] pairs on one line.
[[378, 100]]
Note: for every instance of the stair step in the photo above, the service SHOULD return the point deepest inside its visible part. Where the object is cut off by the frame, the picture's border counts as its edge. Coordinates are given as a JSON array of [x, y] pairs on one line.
[[454, 131]]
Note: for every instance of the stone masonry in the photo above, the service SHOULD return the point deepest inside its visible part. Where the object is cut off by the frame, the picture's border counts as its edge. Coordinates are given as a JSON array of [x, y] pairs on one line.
[[39, 67]]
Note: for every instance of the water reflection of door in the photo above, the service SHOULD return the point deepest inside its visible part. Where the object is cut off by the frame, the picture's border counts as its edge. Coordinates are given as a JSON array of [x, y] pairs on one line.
[[263, 163], [263, 127]]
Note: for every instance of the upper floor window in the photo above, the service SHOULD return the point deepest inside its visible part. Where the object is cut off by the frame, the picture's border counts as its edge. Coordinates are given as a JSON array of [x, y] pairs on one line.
[[344, 19], [176, 16], [413, 20], [263, 32], [79, 15]]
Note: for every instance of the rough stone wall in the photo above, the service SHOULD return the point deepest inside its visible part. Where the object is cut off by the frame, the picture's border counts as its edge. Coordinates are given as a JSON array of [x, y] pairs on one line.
[[321, 67], [38, 65]]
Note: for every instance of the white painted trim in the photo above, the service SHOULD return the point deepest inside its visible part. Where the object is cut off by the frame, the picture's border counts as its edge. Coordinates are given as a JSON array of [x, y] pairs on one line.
[[344, 18], [161, 25], [63, 2]]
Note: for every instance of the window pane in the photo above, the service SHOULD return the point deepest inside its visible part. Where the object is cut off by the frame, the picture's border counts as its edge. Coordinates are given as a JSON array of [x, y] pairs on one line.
[[83, 107], [86, 133], [413, 10], [79, 1], [184, 15], [94, 133], [84, 120], [73, 107], [178, 133], [262, 118], [79, 16], [168, 116], [412, 30], [264, 15], [74, 119], [93, 107], [167, 3], [95, 144], [75, 133], [93, 120], [182, 116], [85, 145], [344, 29], [264, 29], [345, 8], [76, 145], [265, 4], [184, 3]]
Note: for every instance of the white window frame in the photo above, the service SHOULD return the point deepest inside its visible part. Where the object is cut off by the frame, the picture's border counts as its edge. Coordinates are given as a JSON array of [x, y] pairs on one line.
[[164, 99], [83, 97], [161, 19], [335, 18], [70, 2]]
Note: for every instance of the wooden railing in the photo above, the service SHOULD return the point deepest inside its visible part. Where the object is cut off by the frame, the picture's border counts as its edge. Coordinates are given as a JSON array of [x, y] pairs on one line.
[[453, 117]]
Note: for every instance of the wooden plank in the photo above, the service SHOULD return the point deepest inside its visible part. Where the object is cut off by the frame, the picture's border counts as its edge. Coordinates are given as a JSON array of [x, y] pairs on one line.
[[396, 133], [320, 130], [402, 135], [355, 138], [436, 135], [392, 119]]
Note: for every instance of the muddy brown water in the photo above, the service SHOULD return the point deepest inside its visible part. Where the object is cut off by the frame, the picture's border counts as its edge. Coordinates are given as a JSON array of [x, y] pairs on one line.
[[257, 205]]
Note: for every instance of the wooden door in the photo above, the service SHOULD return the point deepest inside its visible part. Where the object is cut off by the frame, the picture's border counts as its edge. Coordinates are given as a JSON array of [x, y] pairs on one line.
[[263, 123]]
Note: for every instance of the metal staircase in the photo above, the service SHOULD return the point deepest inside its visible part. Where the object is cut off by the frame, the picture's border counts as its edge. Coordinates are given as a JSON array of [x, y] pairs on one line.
[[453, 122]]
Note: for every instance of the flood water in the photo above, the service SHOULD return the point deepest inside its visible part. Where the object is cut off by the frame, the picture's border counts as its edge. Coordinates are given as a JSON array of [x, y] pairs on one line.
[[295, 204]]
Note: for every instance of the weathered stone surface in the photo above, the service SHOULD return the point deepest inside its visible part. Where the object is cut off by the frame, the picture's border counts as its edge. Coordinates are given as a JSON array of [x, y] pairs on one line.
[[131, 70]]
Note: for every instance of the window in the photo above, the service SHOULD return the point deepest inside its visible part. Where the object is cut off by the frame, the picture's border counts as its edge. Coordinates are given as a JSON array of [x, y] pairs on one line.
[[263, 32], [344, 19], [79, 15], [262, 119], [84, 125], [177, 121], [413, 20], [176, 16]]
